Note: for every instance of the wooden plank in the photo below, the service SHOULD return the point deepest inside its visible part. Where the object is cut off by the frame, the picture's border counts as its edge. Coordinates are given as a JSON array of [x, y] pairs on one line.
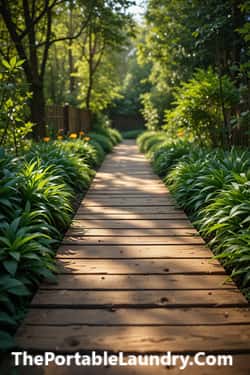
[[240, 367], [131, 232], [130, 216], [128, 190], [124, 184], [127, 197], [142, 266], [140, 339], [128, 202], [127, 193], [139, 317], [139, 282], [130, 210], [110, 240], [143, 298], [133, 251], [117, 224]]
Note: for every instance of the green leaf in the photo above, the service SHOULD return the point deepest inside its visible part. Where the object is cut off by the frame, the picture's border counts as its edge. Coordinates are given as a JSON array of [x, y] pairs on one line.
[[10, 266], [13, 62], [6, 64], [5, 319], [6, 341]]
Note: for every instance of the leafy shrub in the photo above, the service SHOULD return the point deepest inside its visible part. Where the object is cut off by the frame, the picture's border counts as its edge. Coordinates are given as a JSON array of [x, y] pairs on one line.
[[103, 140], [46, 192], [227, 221], [166, 156], [149, 139], [14, 104], [132, 134], [99, 149], [36, 193], [212, 185], [102, 125], [198, 106], [70, 167], [115, 135], [89, 153]]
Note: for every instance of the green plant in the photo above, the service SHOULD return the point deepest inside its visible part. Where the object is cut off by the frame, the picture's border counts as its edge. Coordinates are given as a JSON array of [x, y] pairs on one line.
[[212, 185], [46, 192], [71, 168], [150, 138], [167, 155], [132, 134], [103, 140], [199, 109], [89, 153], [14, 97]]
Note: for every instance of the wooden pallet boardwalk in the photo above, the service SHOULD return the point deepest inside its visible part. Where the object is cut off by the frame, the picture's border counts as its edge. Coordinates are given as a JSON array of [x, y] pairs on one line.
[[135, 276]]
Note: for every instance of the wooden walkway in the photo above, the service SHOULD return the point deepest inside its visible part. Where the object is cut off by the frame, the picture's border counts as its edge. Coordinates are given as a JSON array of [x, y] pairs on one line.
[[135, 277]]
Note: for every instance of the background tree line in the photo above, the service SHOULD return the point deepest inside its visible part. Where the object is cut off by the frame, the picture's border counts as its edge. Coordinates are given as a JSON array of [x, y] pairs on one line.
[[192, 58], [69, 49]]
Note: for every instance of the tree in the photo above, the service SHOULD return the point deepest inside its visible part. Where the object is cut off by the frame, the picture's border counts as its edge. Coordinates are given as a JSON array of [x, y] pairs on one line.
[[198, 108], [105, 35], [30, 28], [181, 36]]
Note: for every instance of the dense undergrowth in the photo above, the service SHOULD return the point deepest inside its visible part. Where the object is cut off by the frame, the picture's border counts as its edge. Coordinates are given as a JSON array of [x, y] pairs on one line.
[[37, 194], [213, 187]]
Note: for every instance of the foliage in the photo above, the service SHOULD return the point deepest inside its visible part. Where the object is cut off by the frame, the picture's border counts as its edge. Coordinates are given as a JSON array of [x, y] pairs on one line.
[[70, 167], [168, 154], [103, 134], [89, 153], [134, 84], [34, 29], [132, 134], [150, 139], [103, 140], [179, 37], [198, 107], [36, 193], [13, 98], [212, 185]]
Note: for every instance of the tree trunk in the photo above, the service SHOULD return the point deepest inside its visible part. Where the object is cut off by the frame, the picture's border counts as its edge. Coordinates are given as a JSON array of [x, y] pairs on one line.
[[38, 114]]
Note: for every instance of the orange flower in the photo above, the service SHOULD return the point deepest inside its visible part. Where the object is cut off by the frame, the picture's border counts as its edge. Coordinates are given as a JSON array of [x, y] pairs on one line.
[[60, 137], [180, 133], [81, 133], [86, 139], [46, 139], [73, 136]]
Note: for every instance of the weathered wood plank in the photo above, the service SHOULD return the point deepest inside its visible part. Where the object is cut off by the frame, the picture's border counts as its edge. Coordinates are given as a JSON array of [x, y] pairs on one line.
[[130, 209], [139, 317], [128, 201], [240, 367], [134, 251], [131, 232], [143, 298], [139, 282], [130, 216], [139, 339], [130, 224], [142, 266], [110, 240]]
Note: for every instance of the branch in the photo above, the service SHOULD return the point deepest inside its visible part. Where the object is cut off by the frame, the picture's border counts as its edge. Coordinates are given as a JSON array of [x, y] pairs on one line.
[[34, 21], [84, 25], [47, 45], [6, 14], [98, 61]]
